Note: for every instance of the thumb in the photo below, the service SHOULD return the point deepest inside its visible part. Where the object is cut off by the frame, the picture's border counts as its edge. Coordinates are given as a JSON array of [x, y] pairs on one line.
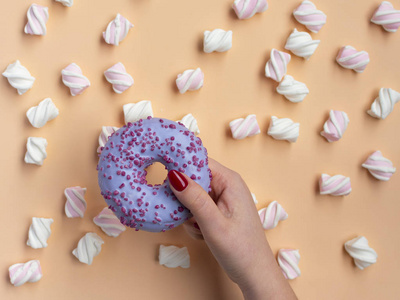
[[195, 198]]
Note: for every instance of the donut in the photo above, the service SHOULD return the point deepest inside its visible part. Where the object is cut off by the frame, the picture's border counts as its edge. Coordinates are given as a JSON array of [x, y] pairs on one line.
[[122, 172]]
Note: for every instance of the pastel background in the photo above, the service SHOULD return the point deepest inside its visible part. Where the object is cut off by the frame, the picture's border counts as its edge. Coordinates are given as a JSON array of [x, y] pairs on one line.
[[166, 40]]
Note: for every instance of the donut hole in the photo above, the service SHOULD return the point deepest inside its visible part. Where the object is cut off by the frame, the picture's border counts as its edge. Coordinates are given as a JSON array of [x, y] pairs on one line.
[[156, 174]]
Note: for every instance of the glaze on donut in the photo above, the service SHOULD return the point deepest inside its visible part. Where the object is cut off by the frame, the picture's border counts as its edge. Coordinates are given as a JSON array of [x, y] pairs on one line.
[[122, 175]]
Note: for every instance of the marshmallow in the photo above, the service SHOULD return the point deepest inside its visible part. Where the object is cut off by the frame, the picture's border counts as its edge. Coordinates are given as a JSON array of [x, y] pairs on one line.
[[288, 260], [37, 19], [89, 246], [335, 126], [117, 30], [119, 78], [75, 206], [19, 77], [384, 103], [379, 167], [308, 15], [293, 90], [271, 215], [337, 185], [284, 129], [361, 252], [173, 257], [245, 9], [72, 77], [106, 132], [190, 123], [39, 115], [217, 40], [349, 58], [387, 16], [109, 223], [67, 3], [242, 128], [276, 67], [135, 111], [254, 198], [25, 272], [190, 80], [35, 150], [301, 44], [39, 232]]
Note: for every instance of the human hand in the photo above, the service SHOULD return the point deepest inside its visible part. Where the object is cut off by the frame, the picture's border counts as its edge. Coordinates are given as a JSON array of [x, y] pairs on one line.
[[231, 227]]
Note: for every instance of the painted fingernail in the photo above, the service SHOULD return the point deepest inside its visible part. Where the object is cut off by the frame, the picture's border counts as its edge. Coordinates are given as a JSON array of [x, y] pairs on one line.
[[195, 225], [177, 180]]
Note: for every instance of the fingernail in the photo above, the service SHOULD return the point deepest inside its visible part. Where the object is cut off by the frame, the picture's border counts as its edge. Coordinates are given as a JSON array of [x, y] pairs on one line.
[[177, 180], [195, 225]]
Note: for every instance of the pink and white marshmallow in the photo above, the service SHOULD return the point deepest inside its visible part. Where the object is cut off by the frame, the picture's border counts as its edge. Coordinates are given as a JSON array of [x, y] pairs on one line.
[[308, 15], [379, 167], [276, 67], [75, 206], [349, 58], [119, 78], [242, 128], [106, 132], [73, 78], [117, 30], [335, 126], [245, 9], [25, 272], [288, 260], [37, 19], [109, 223], [270, 216], [190, 80], [386, 16], [337, 185]]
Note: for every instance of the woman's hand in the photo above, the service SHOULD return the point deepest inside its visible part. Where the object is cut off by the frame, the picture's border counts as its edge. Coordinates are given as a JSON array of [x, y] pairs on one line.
[[231, 227]]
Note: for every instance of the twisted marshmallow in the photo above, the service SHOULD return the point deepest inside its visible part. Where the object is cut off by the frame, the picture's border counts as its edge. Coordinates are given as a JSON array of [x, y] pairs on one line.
[[37, 19], [288, 260], [89, 246], [293, 90], [39, 232], [301, 44], [387, 16], [35, 150], [39, 115], [106, 132], [242, 128], [337, 185], [379, 167], [254, 198], [119, 78], [190, 123], [75, 206], [384, 103], [190, 80], [25, 272], [117, 30], [361, 252], [284, 129], [217, 40], [109, 223], [350, 58], [245, 9], [271, 215], [335, 126], [276, 67], [308, 15], [173, 257], [73, 78], [135, 111], [19, 77], [66, 2]]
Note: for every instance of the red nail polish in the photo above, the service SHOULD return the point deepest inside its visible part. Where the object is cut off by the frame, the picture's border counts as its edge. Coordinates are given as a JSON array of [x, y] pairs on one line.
[[177, 180], [195, 225]]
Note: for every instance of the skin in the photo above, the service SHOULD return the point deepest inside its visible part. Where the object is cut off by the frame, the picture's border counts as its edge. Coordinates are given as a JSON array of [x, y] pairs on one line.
[[232, 230]]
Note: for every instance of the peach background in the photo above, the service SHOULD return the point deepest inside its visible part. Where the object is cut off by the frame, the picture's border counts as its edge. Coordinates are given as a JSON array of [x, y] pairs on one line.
[[166, 40]]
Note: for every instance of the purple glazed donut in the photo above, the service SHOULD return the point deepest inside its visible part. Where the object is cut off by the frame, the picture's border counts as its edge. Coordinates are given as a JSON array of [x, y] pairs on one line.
[[122, 176]]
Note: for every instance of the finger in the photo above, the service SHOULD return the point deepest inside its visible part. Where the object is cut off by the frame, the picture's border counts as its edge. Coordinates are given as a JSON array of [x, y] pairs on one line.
[[193, 230]]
